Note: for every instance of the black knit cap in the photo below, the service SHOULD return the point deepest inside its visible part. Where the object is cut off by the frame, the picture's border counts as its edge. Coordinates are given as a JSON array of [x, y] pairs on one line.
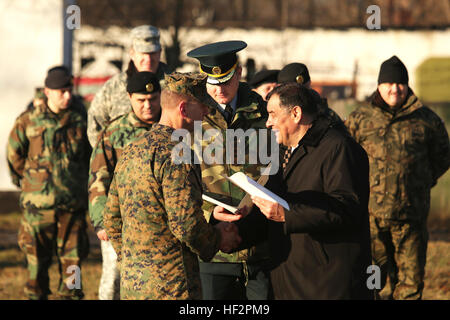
[[144, 83], [294, 72], [393, 71], [264, 76], [58, 77]]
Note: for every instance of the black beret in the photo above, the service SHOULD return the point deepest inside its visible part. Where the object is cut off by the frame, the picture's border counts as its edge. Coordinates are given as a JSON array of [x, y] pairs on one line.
[[218, 60], [393, 71], [143, 82], [294, 72], [263, 76], [58, 77]]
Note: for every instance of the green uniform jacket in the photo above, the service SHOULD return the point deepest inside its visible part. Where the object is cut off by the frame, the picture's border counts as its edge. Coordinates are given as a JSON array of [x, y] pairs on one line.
[[48, 158], [408, 151], [250, 113], [154, 220], [105, 155], [112, 101]]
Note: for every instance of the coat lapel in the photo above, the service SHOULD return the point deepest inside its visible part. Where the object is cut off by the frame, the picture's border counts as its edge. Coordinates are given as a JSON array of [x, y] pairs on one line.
[[311, 139], [298, 154]]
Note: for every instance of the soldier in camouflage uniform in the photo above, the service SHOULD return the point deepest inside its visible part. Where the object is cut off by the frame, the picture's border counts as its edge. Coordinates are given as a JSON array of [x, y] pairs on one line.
[[144, 93], [153, 214], [408, 148], [240, 275], [112, 101], [298, 73], [48, 158]]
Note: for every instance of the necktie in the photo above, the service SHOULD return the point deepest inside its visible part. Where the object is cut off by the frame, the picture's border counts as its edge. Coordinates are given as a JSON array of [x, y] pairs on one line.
[[286, 157], [228, 113]]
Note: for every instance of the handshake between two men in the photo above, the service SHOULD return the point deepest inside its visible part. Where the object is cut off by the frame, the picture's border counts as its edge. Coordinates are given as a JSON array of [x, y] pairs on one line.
[[230, 238]]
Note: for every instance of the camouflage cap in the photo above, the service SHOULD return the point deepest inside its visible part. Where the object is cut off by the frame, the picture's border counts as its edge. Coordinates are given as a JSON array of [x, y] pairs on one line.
[[192, 84], [145, 39]]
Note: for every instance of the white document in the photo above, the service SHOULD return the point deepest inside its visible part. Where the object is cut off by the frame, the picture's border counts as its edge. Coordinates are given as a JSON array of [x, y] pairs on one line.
[[255, 189], [218, 203]]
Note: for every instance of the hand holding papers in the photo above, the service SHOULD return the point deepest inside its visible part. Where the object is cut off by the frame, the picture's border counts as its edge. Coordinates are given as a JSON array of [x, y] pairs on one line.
[[218, 203], [255, 189]]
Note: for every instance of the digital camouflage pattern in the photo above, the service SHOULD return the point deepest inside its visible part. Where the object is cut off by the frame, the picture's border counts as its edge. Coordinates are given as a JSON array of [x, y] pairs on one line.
[[105, 155], [189, 83], [48, 157], [112, 101], [250, 113], [154, 221], [408, 151]]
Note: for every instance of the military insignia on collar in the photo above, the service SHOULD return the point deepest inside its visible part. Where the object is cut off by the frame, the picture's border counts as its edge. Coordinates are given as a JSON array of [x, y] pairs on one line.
[[216, 70], [299, 79], [149, 87]]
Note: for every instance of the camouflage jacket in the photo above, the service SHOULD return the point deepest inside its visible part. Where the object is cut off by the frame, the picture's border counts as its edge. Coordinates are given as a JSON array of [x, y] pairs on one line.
[[48, 158], [105, 155], [250, 113], [408, 151], [112, 101], [154, 220]]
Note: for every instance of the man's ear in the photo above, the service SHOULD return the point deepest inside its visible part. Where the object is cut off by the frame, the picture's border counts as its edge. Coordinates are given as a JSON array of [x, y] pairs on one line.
[[182, 106], [239, 72], [297, 114], [46, 91]]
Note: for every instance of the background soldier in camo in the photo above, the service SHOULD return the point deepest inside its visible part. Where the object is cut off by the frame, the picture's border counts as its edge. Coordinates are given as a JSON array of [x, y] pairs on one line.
[[241, 275], [48, 157], [153, 214], [144, 93], [409, 150], [112, 101]]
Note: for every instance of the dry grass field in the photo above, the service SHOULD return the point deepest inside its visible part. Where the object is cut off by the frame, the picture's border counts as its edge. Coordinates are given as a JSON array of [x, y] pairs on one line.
[[13, 273]]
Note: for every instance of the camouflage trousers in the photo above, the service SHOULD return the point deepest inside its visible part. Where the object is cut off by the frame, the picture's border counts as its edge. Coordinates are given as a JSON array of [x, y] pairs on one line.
[[44, 233], [109, 288], [399, 249]]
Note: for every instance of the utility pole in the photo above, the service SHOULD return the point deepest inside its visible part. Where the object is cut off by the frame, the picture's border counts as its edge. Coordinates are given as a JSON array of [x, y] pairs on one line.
[[67, 35]]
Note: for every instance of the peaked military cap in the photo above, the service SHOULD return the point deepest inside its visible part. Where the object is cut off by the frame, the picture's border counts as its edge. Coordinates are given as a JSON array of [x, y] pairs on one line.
[[58, 77], [294, 72], [143, 82], [264, 76], [190, 83], [218, 60]]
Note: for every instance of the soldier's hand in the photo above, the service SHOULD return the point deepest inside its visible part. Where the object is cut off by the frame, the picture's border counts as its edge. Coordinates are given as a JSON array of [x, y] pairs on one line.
[[222, 214], [230, 238], [102, 235]]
